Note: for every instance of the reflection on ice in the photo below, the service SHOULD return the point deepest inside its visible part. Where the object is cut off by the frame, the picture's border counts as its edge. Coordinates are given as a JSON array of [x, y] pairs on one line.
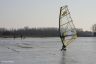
[[63, 57]]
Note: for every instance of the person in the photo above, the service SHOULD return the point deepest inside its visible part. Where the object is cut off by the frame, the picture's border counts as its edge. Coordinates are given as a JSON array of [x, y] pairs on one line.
[[62, 39], [21, 36], [14, 36]]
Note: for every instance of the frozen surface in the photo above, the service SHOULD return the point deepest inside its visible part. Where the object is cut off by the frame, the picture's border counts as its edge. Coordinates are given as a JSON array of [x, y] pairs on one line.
[[47, 51]]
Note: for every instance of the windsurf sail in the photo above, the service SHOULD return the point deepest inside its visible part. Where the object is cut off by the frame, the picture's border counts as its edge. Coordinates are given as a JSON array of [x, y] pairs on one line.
[[66, 27]]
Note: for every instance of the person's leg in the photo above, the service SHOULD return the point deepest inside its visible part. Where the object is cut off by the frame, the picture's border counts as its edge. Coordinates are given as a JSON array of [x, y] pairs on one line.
[[63, 47]]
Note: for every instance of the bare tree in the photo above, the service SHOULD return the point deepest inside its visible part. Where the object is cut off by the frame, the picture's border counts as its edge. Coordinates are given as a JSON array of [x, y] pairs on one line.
[[94, 29]]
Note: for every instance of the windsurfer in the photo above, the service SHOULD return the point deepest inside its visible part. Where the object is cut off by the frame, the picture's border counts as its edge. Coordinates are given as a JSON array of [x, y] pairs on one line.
[[66, 27]]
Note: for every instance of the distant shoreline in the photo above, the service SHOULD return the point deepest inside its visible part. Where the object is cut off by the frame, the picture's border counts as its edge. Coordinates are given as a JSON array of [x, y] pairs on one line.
[[38, 32], [41, 37]]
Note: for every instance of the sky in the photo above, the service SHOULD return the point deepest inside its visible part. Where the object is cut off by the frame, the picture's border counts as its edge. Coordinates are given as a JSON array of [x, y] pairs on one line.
[[16, 14]]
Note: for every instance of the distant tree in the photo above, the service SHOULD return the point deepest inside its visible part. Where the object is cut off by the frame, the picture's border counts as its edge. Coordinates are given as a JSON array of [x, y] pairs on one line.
[[79, 32], [6, 33], [94, 29]]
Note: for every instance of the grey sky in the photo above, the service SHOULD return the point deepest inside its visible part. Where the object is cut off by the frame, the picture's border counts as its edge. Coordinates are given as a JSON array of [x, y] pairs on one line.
[[45, 13]]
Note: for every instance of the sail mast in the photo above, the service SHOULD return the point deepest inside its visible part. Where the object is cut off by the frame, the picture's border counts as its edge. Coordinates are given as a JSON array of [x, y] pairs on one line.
[[59, 20]]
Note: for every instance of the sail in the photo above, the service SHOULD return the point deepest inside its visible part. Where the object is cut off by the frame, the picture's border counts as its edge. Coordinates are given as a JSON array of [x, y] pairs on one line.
[[66, 26]]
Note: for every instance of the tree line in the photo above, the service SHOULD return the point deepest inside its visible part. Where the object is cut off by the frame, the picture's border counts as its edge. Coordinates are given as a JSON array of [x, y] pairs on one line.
[[38, 32]]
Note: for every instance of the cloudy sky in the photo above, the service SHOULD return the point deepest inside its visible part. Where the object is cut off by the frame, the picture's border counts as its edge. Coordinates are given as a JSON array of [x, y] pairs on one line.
[[45, 13]]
